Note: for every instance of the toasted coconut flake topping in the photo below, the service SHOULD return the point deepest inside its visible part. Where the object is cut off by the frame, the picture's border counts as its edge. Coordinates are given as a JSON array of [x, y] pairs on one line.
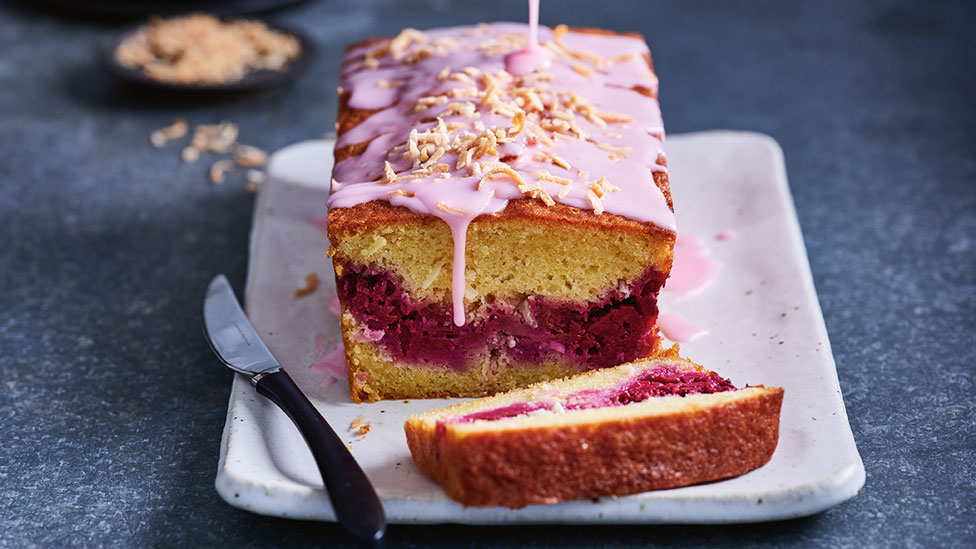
[[602, 187], [546, 176], [446, 208], [537, 190], [613, 148], [389, 175], [595, 202], [499, 168], [518, 124], [388, 84], [582, 70]]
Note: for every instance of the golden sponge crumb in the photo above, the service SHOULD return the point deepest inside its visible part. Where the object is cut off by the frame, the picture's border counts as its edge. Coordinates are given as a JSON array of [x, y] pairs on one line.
[[508, 259]]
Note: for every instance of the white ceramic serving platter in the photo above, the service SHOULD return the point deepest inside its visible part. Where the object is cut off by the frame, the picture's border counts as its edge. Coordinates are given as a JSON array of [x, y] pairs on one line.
[[762, 312]]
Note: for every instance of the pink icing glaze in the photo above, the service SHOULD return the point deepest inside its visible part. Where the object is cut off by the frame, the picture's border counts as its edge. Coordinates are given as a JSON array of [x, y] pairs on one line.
[[678, 329], [456, 196], [532, 57], [727, 234], [334, 305]]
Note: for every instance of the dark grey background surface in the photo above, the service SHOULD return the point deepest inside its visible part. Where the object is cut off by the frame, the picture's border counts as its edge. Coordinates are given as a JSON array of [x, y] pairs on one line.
[[111, 405]]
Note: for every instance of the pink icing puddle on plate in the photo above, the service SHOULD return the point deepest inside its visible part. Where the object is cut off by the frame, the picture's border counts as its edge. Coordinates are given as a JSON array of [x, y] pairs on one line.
[[334, 305], [728, 234], [678, 329], [691, 272], [332, 364]]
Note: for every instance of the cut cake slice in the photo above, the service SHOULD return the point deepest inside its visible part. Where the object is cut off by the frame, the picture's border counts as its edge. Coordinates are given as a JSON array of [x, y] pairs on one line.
[[653, 424]]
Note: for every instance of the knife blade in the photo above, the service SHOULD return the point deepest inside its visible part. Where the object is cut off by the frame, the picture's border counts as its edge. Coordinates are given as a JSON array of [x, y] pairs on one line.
[[230, 333], [238, 346]]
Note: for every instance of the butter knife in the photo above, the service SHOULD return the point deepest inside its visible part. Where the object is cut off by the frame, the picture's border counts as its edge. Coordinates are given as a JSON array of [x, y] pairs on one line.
[[238, 346]]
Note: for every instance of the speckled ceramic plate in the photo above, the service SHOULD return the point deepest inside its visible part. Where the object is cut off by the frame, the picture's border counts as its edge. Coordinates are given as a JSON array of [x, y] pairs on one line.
[[762, 312]]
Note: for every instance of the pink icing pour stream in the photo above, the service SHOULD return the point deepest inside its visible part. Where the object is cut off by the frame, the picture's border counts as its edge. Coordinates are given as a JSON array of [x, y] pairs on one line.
[[359, 179], [532, 57]]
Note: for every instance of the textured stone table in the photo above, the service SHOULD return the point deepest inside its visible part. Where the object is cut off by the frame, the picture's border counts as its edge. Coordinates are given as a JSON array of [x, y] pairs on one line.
[[111, 405]]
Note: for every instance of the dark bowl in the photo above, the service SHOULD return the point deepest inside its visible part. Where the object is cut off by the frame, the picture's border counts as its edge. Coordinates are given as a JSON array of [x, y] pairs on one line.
[[121, 9], [251, 82]]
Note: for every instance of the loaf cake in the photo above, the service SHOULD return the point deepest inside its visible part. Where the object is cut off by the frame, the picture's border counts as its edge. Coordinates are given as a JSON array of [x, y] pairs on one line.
[[652, 424], [490, 229]]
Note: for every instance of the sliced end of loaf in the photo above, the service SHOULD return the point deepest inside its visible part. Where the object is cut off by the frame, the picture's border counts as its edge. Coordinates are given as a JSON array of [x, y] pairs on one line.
[[662, 442]]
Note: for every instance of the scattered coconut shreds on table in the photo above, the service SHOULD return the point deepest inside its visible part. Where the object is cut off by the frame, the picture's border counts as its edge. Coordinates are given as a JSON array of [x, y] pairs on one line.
[[248, 156], [311, 283], [218, 169], [176, 130], [190, 155], [220, 138], [253, 179]]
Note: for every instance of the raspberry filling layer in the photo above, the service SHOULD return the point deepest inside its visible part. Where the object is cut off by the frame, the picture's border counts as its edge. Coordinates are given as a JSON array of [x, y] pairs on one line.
[[615, 329], [656, 382]]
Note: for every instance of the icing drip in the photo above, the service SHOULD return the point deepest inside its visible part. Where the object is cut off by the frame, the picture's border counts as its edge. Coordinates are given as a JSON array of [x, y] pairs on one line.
[[455, 135], [459, 231]]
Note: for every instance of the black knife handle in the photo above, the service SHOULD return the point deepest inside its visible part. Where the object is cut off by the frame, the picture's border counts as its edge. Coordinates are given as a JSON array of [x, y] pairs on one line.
[[354, 500]]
